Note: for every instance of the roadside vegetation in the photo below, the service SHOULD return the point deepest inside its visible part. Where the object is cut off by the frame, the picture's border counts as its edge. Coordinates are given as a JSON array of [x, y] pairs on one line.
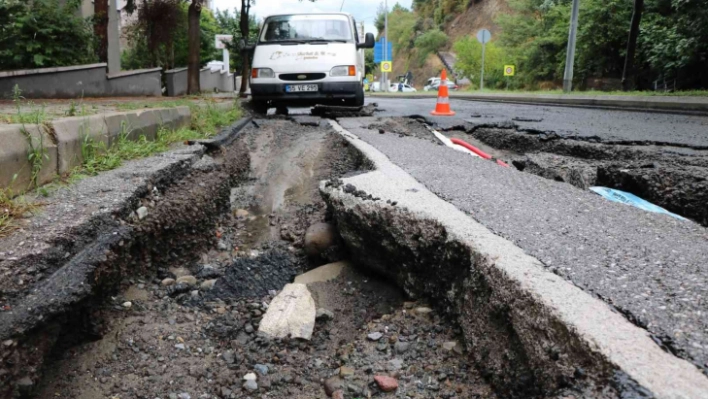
[[97, 157], [671, 51]]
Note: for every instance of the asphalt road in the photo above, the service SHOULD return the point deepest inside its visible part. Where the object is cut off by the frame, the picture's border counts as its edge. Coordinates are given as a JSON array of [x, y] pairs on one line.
[[608, 125], [651, 267]]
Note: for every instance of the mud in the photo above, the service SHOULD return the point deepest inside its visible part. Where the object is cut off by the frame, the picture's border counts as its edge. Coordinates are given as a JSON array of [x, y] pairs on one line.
[[673, 177]]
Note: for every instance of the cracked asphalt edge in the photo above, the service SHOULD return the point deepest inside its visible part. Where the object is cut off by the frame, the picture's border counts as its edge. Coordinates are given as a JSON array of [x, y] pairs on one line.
[[599, 331]]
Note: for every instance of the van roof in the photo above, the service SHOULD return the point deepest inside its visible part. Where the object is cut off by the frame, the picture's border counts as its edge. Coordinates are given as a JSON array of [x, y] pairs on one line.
[[346, 14]]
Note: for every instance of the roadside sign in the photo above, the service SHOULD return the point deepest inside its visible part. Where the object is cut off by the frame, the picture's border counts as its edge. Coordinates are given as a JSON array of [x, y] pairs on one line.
[[379, 52], [221, 41], [509, 70], [484, 36], [387, 66]]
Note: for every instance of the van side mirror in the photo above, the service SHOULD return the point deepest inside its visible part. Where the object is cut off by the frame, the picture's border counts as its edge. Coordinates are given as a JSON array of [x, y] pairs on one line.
[[368, 41]]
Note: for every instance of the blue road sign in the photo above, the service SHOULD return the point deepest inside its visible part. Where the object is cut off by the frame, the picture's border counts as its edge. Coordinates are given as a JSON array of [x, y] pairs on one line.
[[378, 52]]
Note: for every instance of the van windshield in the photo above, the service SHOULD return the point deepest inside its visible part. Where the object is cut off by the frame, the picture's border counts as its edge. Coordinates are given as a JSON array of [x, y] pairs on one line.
[[306, 28]]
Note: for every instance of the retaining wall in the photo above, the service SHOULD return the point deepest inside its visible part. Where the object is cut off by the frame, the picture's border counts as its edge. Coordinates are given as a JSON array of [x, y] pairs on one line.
[[81, 81], [209, 80], [62, 140]]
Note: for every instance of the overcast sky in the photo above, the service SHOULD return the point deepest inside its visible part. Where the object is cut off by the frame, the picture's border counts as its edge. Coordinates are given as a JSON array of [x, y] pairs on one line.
[[363, 10]]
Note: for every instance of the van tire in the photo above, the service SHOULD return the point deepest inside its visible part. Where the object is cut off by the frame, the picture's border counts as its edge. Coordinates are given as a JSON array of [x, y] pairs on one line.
[[359, 99], [259, 107]]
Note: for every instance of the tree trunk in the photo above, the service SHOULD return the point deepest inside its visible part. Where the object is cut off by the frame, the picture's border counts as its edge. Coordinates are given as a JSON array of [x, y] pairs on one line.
[[193, 33], [627, 73], [246, 63], [100, 28]]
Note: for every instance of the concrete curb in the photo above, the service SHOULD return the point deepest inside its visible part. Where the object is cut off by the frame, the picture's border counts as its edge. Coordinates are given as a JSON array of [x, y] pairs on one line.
[[668, 104], [512, 310], [15, 167], [63, 140]]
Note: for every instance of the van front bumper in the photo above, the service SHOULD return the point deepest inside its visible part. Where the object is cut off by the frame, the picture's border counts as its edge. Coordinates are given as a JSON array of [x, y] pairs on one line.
[[327, 92]]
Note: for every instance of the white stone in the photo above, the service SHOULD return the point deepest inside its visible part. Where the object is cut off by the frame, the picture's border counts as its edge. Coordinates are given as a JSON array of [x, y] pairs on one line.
[[324, 273], [142, 212], [291, 313], [250, 377], [127, 304]]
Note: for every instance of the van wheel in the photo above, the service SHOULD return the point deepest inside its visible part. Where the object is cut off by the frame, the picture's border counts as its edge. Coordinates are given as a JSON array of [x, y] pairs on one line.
[[259, 107], [358, 101]]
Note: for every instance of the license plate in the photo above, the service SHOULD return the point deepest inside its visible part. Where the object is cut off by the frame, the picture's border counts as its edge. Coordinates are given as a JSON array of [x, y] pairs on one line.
[[299, 88]]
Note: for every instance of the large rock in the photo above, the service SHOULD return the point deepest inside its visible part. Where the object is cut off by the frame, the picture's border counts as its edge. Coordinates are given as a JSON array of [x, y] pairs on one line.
[[324, 273], [319, 237], [291, 313]]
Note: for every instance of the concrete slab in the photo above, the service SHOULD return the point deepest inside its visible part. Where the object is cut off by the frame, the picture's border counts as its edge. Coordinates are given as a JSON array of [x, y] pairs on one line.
[[518, 317], [291, 314], [15, 167], [324, 273]]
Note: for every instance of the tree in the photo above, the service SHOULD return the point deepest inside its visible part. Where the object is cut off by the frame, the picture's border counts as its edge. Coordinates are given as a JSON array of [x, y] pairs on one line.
[[100, 28], [244, 25], [193, 33], [44, 33], [632, 44]]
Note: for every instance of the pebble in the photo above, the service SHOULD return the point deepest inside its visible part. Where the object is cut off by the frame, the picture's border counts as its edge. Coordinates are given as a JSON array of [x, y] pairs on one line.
[[228, 357], [241, 213], [127, 304], [188, 280], [338, 394], [142, 212], [374, 336], [450, 345], [422, 311], [386, 384], [167, 282], [402, 347], [208, 284], [250, 377], [250, 385], [249, 328], [184, 395], [180, 346], [324, 315], [331, 385], [261, 369], [346, 371]]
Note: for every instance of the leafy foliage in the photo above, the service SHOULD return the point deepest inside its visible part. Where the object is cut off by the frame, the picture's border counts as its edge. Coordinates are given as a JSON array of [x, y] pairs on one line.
[[159, 36], [469, 62], [44, 33], [428, 43]]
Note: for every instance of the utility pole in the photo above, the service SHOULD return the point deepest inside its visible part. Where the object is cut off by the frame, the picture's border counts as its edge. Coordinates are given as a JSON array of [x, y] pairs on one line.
[[385, 49], [627, 73], [570, 53]]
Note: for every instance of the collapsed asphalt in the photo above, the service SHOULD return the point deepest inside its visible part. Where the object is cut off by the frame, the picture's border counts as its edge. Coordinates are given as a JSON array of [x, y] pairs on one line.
[[650, 267], [607, 125]]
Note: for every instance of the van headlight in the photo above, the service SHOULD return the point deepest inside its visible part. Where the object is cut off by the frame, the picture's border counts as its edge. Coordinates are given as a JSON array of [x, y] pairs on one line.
[[262, 73], [343, 70]]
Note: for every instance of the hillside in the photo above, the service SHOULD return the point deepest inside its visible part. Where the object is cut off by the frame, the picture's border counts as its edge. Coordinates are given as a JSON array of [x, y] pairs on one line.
[[477, 15]]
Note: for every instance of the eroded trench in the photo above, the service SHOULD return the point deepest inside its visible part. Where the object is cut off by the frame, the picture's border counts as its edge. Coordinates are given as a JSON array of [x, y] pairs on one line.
[[180, 320], [186, 325]]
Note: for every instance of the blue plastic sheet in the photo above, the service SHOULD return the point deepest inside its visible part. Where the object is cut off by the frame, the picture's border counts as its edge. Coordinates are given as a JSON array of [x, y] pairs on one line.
[[631, 199]]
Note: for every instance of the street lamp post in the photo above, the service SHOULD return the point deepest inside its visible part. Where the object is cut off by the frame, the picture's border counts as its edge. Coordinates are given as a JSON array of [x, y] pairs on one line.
[[570, 53]]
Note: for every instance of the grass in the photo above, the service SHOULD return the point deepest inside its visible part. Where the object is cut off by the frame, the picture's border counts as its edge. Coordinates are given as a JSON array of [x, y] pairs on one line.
[[133, 105], [206, 120], [11, 208]]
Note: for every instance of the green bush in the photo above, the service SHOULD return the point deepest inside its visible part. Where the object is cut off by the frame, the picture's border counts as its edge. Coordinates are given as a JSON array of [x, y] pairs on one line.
[[428, 43], [469, 62], [44, 33]]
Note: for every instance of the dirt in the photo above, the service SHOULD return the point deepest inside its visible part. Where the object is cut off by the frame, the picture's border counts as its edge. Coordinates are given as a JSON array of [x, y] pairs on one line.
[[181, 341], [675, 178]]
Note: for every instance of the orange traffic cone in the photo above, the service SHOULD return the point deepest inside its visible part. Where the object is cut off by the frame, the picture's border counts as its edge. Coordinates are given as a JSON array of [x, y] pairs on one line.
[[442, 108]]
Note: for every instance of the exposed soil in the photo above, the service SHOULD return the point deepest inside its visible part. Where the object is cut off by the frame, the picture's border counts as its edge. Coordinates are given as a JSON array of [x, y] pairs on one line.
[[186, 340]]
